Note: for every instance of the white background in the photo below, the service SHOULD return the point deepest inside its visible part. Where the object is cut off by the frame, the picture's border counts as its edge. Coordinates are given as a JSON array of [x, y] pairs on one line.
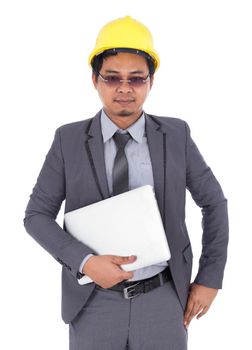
[[205, 78]]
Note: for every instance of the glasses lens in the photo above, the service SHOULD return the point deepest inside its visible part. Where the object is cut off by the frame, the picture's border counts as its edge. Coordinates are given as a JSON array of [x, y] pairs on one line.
[[137, 81], [113, 81]]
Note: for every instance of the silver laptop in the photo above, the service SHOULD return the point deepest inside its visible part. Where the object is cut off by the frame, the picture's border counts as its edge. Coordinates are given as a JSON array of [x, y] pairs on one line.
[[126, 224]]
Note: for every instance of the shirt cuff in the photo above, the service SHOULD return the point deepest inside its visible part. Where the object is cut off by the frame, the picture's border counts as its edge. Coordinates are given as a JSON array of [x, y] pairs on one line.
[[84, 262]]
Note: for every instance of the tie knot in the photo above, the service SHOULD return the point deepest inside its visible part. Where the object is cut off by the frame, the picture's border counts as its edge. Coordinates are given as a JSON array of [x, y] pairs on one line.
[[121, 139]]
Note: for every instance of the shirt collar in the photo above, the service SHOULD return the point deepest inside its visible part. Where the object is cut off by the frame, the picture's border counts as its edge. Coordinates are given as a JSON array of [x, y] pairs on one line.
[[136, 130]]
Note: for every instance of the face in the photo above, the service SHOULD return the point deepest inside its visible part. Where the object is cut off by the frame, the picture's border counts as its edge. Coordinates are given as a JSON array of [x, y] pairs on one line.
[[123, 103]]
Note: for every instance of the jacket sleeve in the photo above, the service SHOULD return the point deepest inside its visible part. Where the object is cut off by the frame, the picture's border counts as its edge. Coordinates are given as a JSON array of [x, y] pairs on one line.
[[42, 210], [208, 195]]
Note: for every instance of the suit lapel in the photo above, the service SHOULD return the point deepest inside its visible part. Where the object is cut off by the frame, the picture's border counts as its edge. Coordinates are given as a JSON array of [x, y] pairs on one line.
[[95, 149], [156, 142]]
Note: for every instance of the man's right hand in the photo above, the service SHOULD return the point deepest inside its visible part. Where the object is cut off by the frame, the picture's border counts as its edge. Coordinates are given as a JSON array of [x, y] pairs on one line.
[[105, 270]]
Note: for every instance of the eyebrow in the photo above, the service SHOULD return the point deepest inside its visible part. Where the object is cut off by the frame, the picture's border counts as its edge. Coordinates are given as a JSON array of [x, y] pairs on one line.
[[132, 72]]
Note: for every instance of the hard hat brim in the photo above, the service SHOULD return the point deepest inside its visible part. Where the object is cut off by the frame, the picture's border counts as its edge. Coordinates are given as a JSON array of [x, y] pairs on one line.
[[149, 55]]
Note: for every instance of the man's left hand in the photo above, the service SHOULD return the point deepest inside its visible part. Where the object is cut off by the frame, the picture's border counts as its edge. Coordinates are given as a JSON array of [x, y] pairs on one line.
[[199, 301]]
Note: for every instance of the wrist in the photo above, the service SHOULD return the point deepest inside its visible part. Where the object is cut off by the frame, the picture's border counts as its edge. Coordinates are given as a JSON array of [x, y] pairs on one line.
[[87, 263]]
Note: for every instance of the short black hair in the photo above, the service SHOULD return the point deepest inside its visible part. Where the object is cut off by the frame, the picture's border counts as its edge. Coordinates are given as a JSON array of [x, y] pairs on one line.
[[98, 60]]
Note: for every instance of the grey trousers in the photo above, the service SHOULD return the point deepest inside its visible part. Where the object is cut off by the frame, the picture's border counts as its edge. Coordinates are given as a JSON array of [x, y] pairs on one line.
[[151, 321]]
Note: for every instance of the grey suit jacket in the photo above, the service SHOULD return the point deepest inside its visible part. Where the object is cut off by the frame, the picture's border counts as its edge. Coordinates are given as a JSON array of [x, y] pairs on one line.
[[74, 171]]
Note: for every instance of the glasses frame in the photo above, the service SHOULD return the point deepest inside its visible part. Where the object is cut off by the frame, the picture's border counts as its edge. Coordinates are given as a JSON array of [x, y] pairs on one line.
[[120, 81]]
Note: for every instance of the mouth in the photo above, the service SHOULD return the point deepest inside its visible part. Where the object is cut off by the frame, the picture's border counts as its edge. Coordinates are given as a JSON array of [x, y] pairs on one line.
[[124, 103]]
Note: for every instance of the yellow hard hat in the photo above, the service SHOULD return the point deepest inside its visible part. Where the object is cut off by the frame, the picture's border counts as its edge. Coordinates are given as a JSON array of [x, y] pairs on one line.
[[125, 33]]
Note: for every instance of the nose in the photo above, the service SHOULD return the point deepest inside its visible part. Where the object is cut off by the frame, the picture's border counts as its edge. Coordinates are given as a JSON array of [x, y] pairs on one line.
[[124, 87]]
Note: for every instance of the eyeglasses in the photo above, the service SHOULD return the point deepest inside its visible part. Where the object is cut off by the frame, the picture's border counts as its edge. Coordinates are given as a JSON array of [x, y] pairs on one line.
[[115, 81]]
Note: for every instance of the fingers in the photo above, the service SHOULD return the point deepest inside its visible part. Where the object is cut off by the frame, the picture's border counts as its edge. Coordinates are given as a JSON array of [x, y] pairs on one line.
[[127, 275], [122, 274], [203, 312], [199, 301], [106, 271], [192, 310], [121, 260]]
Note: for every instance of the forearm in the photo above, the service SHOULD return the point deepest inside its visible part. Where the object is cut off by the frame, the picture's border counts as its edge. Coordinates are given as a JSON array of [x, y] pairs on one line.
[[214, 245], [61, 245]]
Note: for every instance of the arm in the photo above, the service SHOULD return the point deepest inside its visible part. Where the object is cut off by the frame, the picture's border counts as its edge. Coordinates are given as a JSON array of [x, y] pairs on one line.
[[208, 195], [41, 212], [43, 207]]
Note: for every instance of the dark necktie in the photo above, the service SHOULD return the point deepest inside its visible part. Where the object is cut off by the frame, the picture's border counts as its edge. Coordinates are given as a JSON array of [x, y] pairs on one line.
[[120, 169]]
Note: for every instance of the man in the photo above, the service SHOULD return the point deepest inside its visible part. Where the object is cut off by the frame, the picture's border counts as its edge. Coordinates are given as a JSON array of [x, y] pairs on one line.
[[120, 149]]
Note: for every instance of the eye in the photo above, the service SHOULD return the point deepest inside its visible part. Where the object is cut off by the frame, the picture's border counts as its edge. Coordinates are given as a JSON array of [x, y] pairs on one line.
[[112, 79], [137, 80]]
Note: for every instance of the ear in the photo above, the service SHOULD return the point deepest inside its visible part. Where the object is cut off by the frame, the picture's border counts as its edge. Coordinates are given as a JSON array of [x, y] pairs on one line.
[[151, 81], [94, 79]]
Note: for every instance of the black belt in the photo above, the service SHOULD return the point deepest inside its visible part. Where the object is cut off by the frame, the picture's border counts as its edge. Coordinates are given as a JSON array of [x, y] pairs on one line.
[[134, 288]]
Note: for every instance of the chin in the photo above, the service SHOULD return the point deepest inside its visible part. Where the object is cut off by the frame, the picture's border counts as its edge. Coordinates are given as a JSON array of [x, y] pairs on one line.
[[125, 113]]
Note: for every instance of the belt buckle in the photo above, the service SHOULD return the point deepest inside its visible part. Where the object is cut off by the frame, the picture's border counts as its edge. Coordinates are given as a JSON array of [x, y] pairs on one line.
[[127, 291]]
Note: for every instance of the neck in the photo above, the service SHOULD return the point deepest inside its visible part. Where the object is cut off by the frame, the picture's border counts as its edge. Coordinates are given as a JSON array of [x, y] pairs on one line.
[[124, 122]]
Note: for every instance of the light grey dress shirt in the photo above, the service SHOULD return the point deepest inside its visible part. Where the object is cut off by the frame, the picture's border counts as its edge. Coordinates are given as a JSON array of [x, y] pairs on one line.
[[140, 170]]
